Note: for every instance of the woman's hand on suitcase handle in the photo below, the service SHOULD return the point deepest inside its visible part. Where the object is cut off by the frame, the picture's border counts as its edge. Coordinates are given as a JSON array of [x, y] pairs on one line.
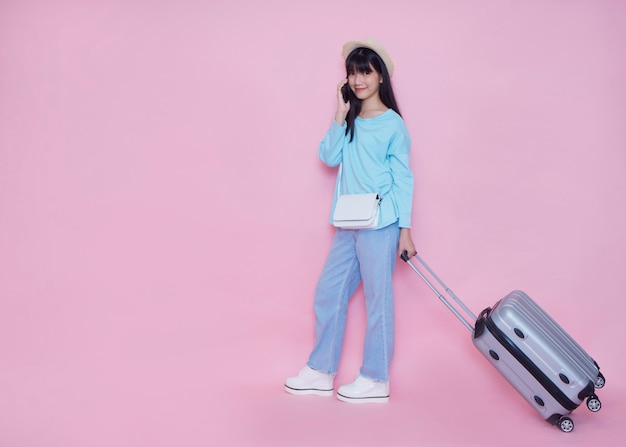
[[406, 247]]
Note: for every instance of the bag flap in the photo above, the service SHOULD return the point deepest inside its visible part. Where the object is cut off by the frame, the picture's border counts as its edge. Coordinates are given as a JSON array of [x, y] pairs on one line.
[[355, 207]]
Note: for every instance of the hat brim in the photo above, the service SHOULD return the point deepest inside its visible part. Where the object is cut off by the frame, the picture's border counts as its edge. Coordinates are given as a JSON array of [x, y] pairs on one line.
[[372, 44]]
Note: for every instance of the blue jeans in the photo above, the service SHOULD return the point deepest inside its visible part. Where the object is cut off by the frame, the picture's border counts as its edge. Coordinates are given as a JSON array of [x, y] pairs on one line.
[[355, 255]]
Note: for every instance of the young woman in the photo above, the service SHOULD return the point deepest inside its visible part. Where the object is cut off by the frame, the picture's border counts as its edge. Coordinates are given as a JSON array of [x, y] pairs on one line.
[[370, 140]]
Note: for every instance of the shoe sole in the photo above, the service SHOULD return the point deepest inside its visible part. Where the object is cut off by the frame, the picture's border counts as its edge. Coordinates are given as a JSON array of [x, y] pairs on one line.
[[363, 400], [309, 391]]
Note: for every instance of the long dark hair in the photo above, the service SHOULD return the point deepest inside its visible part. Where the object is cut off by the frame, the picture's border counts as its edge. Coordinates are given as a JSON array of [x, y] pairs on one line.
[[362, 60]]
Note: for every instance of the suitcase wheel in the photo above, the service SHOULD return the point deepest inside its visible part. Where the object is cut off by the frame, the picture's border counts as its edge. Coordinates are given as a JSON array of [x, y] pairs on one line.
[[600, 381], [593, 403], [566, 424]]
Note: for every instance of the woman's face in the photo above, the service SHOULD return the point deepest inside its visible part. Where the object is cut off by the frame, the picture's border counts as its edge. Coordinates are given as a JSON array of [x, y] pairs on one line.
[[365, 84]]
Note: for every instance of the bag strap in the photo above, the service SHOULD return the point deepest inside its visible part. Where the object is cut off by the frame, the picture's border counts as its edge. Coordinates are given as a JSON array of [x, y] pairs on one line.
[[339, 176]]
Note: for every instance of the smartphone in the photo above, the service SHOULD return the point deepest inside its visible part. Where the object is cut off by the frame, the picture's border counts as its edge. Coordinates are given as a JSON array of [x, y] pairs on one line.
[[345, 92]]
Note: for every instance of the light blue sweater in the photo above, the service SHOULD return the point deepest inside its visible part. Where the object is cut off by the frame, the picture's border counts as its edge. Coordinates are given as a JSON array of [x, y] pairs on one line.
[[377, 160]]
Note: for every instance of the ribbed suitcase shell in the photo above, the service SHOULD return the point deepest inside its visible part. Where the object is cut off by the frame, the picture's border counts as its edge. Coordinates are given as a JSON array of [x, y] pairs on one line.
[[546, 366], [553, 331]]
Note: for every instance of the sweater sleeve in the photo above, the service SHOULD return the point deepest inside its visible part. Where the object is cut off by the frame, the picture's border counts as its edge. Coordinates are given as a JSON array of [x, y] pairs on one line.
[[331, 148], [402, 187]]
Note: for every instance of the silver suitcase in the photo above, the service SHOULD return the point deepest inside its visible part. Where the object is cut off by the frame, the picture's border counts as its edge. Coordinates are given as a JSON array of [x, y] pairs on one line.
[[537, 357]]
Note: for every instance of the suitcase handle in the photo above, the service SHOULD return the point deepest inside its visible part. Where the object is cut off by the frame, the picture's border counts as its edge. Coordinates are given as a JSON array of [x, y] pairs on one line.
[[444, 300]]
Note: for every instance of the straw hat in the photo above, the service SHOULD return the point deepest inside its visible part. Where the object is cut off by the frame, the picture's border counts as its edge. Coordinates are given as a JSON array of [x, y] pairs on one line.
[[372, 44]]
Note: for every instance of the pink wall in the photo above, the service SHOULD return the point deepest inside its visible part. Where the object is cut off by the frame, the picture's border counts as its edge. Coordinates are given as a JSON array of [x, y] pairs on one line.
[[163, 213]]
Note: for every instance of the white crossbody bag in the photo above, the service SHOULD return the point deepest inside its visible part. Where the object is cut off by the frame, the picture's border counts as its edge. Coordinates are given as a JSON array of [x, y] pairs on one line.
[[355, 211]]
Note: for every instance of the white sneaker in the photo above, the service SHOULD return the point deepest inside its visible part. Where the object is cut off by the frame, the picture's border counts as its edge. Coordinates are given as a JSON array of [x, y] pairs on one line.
[[310, 381], [364, 390]]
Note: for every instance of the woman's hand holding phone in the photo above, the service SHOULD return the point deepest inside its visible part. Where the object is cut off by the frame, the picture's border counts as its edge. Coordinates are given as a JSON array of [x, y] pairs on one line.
[[343, 103]]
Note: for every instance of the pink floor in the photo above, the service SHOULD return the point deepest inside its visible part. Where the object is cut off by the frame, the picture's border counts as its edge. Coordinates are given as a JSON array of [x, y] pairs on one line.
[[188, 377]]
